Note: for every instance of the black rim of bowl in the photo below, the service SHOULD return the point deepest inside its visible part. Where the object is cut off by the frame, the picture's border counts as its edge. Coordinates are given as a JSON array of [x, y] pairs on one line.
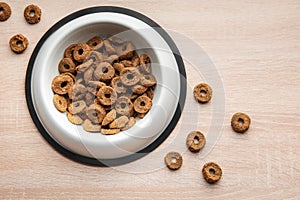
[[117, 161]]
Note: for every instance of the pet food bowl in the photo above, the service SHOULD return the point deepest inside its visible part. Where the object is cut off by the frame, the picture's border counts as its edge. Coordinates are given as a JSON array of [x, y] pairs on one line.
[[148, 133]]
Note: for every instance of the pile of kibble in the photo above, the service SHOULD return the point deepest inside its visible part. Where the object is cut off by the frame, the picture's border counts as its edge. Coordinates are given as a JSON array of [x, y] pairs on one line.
[[104, 84]]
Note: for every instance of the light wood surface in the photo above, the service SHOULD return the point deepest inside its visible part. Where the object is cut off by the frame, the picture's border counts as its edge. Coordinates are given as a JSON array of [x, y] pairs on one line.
[[255, 46]]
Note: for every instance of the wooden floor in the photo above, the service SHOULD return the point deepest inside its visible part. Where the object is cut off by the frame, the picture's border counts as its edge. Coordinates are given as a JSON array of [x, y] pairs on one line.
[[255, 46]]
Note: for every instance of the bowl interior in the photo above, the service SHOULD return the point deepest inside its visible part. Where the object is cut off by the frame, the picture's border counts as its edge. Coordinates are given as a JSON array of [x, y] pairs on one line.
[[146, 40]]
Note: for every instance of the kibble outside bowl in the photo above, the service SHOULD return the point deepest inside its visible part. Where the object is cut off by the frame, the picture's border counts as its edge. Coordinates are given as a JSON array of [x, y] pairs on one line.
[[148, 133]]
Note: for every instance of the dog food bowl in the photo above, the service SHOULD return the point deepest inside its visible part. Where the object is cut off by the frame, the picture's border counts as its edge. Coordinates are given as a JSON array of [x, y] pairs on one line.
[[148, 133]]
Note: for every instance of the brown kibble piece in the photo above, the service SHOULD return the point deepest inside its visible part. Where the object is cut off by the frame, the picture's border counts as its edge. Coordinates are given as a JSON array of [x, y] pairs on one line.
[[120, 122], [77, 92], [150, 92], [106, 95], [202, 93], [95, 113], [104, 72], [81, 52], [110, 131], [145, 63], [94, 42], [69, 74], [240, 122], [90, 126], [118, 67], [139, 89], [76, 107], [124, 106], [142, 104], [173, 160], [127, 63], [69, 51], [18, 43], [130, 76], [148, 80], [110, 116], [32, 14], [117, 85], [211, 172], [195, 141], [74, 119], [66, 65], [61, 84], [60, 103], [5, 11]]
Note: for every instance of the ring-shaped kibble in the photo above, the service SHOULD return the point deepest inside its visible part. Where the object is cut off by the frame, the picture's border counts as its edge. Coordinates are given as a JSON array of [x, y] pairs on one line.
[[104, 72], [81, 52], [202, 93], [77, 107], [106, 95], [32, 14], [118, 85], [145, 63], [148, 80], [124, 106], [130, 76], [60, 103], [211, 172], [240, 122], [142, 104], [61, 84], [77, 92], [5, 11], [18, 43], [139, 89], [66, 65], [195, 141], [94, 42], [173, 160], [95, 113]]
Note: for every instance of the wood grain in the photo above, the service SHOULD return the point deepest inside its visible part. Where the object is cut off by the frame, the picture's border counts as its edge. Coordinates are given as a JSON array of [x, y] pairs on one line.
[[255, 46]]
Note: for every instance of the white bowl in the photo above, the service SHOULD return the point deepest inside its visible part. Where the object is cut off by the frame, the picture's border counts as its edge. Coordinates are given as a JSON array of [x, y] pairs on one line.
[[90, 148]]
